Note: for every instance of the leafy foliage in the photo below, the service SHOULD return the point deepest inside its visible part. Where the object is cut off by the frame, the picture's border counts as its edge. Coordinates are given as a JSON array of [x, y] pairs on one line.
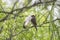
[[11, 27]]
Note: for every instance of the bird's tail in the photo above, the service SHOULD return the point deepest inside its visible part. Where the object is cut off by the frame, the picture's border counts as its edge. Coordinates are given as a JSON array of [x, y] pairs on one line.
[[36, 28], [24, 26]]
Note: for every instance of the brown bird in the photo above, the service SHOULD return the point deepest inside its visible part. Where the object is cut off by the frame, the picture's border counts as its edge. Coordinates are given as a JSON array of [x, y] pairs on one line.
[[32, 19]]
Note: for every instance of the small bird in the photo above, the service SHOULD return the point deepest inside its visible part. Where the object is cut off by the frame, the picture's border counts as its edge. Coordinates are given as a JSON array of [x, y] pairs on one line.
[[32, 19]]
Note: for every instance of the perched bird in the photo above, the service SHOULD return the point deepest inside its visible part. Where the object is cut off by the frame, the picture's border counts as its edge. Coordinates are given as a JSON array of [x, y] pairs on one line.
[[32, 19]]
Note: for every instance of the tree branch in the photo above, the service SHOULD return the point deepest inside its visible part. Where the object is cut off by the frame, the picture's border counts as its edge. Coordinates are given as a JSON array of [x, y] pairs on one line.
[[28, 7], [38, 26], [33, 5]]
